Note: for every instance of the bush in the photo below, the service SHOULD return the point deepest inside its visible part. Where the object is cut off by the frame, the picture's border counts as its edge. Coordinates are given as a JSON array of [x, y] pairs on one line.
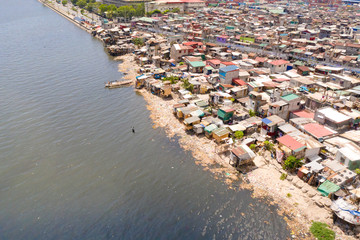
[[322, 231], [181, 63], [239, 134], [292, 163], [64, 2], [268, 145], [289, 195], [283, 176], [138, 42], [252, 113], [252, 146]]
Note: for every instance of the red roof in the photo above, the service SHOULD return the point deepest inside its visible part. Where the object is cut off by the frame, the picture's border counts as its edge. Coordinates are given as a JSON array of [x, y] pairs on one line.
[[279, 62], [317, 130], [260, 59], [228, 63], [281, 79], [290, 142], [214, 61], [239, 82], [304, 114], [238, 151], [192, 43]]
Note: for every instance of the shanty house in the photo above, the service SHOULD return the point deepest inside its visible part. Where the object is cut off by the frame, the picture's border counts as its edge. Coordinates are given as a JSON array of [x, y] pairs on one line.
[[333, 119], [225, 113], [190, 122], [270, 125], [279, 108], [291, 146], [220, 134], [241, 155], [209, 130]]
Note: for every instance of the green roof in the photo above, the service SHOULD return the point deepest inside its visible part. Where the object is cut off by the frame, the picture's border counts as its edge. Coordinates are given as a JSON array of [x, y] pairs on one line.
[[146, 19], [299, 63], [263, 45], [328, 187], [221, 131], [197, 64], [209, 68], [210, 128], [290, 97], [297, 50], [282, 46], [276, 11]]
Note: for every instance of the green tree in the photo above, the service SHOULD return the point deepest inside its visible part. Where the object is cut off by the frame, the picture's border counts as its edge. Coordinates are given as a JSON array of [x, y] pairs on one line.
[[268, 145], [321, 231], [253, 146], [103, 8], [90, 7], [357, 171], [64, 2], [126, 11], [82, 11], [81, 3], [176, 10], [74, 1], [138, 42], [252, 113], [239, 134], [166, 11], [188, 86], [139, 9], [291, 163]]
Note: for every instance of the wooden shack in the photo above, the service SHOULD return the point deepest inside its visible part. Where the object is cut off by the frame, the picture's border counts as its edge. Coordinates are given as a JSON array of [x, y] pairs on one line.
[[209, 130], [190, 122], [220, 134]]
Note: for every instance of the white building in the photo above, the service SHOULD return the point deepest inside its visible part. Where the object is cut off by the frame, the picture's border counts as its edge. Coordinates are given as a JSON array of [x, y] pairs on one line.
[[278, 66]]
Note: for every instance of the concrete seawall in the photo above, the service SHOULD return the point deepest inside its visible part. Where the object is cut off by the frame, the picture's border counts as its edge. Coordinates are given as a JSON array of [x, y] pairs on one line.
[[65, 15]]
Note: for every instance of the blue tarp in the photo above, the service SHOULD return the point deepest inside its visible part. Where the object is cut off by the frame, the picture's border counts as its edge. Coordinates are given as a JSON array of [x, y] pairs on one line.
[[266, 121]]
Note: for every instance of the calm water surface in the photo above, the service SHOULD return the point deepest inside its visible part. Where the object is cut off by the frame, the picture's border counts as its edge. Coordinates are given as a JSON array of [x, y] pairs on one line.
[[70, 167]]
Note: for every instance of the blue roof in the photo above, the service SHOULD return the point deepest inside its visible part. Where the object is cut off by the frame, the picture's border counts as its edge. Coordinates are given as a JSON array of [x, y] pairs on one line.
[[228, 68], [266, 121]]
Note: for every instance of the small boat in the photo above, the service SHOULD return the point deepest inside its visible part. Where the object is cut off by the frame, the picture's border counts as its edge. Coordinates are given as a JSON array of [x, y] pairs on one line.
[[117, 84]]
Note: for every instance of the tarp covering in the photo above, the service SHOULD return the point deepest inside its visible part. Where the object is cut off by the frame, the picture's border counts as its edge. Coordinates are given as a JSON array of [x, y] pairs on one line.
[[328, 187]]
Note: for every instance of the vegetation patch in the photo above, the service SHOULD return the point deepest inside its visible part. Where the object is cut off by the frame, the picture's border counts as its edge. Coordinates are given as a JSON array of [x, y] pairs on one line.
[[322, 231]]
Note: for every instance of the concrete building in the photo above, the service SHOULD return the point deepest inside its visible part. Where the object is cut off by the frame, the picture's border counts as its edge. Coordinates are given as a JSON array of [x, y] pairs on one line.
[[278, 66], [279, 108], [227, 74], [333, 119], [183, 5], [177, 51]]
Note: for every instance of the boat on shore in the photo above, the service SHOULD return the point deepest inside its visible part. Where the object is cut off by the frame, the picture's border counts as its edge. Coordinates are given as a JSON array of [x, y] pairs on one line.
[[117, 84]]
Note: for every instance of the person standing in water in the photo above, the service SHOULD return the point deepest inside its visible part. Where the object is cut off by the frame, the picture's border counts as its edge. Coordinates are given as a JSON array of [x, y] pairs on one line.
[[133, 129]]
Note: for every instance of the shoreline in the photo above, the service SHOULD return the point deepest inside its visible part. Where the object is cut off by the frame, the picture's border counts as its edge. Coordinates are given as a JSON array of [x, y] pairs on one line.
[[264, 181], [64, 14]]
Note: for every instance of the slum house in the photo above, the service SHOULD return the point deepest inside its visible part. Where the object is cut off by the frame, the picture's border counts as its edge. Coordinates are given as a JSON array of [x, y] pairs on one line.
[[333, 119], [241, 155], [291, 147], [220, 134], [270, 125], [225, 114], [318, 131], [190, 122]]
